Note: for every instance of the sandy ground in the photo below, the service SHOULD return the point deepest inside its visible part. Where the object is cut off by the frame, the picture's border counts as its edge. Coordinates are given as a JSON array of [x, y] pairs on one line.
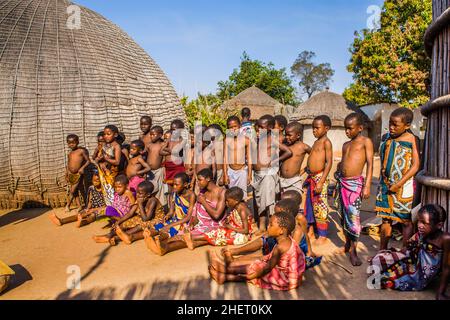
[[43, 257]]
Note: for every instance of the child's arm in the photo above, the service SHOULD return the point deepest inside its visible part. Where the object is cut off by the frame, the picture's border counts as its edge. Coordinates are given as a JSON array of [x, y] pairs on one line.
[[165, 150], [286, 153], [328, 166], [117, 156], [276, 256], [226, 179], [129, 215], [412, 171], [171, 212], [369, 170], [445, 275], [149, 212], [244, 218], [89, 205], [303, 223], [86, 163], [249, 161], [146, 167], [215, 213], [188, 216]]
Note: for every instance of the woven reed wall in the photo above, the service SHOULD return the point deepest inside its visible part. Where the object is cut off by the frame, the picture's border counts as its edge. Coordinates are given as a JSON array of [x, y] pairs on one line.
[[55, 81], [435, 177]]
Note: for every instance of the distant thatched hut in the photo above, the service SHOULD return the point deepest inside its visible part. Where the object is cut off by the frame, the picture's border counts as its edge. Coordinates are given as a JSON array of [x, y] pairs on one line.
[[56, 80], [332, 105], [259, 102]]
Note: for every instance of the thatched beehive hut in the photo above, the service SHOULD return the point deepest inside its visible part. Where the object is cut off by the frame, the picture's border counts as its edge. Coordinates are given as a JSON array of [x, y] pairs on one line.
[[435, 177], [259, 102], [330, 104], [56, 80]]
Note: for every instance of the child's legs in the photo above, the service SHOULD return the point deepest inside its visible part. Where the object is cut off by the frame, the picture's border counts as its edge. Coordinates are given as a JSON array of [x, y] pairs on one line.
[[385, 234], [263, 218], [69, 219]]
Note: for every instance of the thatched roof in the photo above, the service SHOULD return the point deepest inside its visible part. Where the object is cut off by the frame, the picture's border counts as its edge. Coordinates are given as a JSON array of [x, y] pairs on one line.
[[259, 102], [324, 103], [55, 80]]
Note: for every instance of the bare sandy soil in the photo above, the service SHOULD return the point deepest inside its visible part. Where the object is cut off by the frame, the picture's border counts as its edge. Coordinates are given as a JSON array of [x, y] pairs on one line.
[[43, 256]]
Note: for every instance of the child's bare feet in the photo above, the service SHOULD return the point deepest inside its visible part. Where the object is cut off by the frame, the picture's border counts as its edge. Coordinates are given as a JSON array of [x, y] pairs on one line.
[[216, 275], [227, 256], [354, 259], [55, 219], [113, 242], [123, 236], [215, 262], [101, 239], [188, 239], [154, 244], [79, 221]]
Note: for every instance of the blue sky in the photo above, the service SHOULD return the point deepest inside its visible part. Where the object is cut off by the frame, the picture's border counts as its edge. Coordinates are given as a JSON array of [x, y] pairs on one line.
[[198, 43]]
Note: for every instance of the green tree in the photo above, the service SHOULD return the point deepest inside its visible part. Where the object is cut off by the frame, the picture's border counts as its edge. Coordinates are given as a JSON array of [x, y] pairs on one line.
[[275, 82], [313, 77], [390, 64], [207, 109]]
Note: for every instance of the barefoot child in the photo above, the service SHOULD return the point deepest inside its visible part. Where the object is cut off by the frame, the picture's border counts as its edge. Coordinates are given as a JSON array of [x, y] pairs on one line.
[[181, 206], [207, 215], [154, 160], [351, 186], [235, 229], [265, 175], [399, 164], [319, 166], [145, 124], [78, 160], [290, 173], [108, 162], [137, 167], [144, 214], [123, 199], [95, 206], [282, 269], [264, 245], [237, 166], [427, 257]]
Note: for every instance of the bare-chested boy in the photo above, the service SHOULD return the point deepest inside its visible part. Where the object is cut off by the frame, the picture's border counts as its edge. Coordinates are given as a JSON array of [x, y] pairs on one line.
[[137, 167], [400, 162], [291, 169], [78, 160], [319, 166], [215, 133], [145, 125], [172, 151], [352, 187], [266, 167], [155, 161], [237, 165]]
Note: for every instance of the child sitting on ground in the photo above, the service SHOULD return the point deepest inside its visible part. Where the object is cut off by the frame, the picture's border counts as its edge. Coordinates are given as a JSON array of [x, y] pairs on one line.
[[78, 160], [123, 199], [137, 167], [264, 245], [95, 207], [282, 269], [427, 256], [147, 212], [235, 229]]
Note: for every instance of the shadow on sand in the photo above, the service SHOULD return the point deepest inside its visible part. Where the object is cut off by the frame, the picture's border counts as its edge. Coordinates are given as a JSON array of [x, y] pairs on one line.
[[22, 215], [22, 275]]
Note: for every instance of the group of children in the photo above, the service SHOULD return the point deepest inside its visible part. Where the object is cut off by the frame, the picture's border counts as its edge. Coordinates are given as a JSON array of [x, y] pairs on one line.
[[176, 190]]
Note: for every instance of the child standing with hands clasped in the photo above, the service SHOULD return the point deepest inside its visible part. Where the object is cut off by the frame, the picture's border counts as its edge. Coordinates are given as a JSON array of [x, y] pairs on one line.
[[399, 164]]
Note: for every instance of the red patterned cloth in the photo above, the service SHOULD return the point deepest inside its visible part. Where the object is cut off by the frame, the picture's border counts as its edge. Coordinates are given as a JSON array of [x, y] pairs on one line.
[[286, 275]]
